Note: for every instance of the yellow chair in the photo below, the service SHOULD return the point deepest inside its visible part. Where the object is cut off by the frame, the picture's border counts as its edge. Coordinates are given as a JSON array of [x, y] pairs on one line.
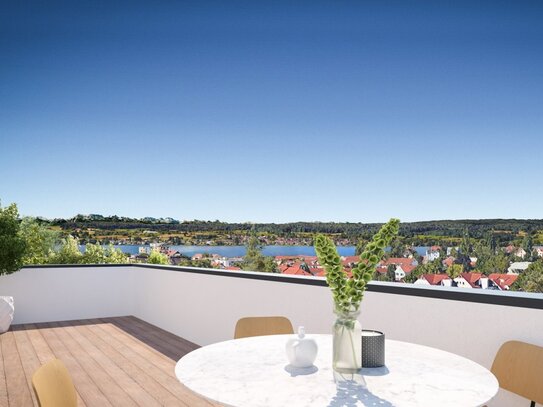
[[53, 385], [256, 326], [518, 367]]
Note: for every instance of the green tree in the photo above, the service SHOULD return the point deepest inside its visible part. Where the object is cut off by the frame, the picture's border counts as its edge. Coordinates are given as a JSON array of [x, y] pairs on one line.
[[397, 247], [432, 267], [528, 246], [466, 246], [454, 270], [360, 245], [68, 252], [12, 245], [531, 280], [157, 258], [98, 254], [116, 255], [490, 241], [40, 241], [494, 264], [254, 260], [391, 272], [414, 275], [94, 254]]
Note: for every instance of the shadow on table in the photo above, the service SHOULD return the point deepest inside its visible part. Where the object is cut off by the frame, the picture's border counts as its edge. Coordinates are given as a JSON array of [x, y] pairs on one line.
[[351, 390], [301, 371], [374, 371]]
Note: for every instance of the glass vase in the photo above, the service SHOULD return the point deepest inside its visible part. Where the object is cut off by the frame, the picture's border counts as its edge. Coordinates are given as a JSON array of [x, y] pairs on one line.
[[347, 342]]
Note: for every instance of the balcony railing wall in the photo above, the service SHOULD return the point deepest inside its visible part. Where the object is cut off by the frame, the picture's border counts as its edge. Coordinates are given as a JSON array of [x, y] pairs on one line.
[[203, 306]]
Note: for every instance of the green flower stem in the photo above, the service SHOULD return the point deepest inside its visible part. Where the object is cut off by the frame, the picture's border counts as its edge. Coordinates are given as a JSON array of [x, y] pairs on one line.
[[349, 292]]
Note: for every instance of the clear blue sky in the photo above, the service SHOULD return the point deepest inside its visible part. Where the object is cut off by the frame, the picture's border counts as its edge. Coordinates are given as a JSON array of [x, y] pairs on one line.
[[254, 111]]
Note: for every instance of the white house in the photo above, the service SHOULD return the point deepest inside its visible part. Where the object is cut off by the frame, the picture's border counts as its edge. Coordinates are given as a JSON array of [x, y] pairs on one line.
[[521, 253], [434, 279], [471, 280], [518, 267], [432, 253]]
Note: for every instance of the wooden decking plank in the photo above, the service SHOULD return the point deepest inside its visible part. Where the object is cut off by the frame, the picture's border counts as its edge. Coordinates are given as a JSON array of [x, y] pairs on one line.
[[29, 359], [143, 335], [148, 382], [3, 385], [43, 351], [151, 353], [87, 388], [162, 334], [155, 364], [110, 389], [163, 344], [17, 387], [109, 362], [113, 362]]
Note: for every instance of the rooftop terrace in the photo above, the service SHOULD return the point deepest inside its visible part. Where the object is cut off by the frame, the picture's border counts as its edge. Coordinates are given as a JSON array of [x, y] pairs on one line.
[[118, 360], [121, 361]]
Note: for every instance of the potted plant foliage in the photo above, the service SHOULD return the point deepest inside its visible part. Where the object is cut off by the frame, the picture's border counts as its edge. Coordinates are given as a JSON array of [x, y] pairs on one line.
[[12, 248], [348, 292]]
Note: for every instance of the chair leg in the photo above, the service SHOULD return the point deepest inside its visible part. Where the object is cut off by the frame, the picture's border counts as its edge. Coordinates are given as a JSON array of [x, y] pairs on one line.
[[532, 404]]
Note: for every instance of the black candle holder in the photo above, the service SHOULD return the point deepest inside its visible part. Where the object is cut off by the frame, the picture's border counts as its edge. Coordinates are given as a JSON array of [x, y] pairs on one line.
[[373, 348]]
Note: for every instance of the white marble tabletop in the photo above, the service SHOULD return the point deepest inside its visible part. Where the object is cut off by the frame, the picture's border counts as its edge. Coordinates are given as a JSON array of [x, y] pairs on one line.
[[254, 372]]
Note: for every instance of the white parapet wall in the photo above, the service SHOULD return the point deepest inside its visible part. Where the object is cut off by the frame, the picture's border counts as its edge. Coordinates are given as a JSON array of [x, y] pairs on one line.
[[203, 306], [57, 294]]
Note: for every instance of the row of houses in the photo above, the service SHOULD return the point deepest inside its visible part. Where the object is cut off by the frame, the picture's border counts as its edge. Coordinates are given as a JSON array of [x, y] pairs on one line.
[[401, 267], [494, 281], [434, 252]]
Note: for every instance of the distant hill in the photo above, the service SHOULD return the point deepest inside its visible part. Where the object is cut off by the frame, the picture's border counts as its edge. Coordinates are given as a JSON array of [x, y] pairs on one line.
[[453, 228]]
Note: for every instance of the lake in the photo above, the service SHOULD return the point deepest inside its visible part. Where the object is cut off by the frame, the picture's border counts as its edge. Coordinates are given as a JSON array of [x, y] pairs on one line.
[[239, 251]]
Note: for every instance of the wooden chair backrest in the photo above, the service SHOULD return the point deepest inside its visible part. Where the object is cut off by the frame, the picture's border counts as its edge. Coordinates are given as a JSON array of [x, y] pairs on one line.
[[53, 385], [519, 369], [256, 326]]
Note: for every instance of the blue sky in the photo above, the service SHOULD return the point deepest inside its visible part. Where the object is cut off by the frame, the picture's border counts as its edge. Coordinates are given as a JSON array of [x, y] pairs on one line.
[[269, 111]]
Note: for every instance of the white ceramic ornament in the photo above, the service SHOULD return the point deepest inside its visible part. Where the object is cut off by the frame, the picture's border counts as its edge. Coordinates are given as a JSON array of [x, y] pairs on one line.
[[301, 351]]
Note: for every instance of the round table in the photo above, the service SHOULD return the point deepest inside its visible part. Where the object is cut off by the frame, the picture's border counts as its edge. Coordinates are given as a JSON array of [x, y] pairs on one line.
[[253, 372]]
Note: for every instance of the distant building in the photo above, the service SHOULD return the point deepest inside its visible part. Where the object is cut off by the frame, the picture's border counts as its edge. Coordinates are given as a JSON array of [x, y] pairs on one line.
[[449, 261], [518, 267], [471, 280], [502, 281], [144, 250], [433, 253], [518, 252], [350, 261], [434, 279]]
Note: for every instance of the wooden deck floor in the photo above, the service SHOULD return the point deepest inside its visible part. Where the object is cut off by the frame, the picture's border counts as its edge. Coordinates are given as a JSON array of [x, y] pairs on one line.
[[120, 361]]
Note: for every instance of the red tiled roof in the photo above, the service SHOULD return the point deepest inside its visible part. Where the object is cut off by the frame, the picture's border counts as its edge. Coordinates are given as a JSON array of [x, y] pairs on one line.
[[381, 269], [471, 278], [435, 279], [408, 268], [232, 268], [351, 259], [286, 257], [435, 248], [405, 262], [296, 271], [449, 261], [504, 281]]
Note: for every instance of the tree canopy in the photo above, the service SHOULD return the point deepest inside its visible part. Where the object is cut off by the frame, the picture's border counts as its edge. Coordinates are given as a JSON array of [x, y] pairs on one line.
[[12, 245]]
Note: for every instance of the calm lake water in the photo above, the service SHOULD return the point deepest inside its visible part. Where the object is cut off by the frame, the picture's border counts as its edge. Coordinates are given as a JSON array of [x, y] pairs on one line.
[[239, 251]]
